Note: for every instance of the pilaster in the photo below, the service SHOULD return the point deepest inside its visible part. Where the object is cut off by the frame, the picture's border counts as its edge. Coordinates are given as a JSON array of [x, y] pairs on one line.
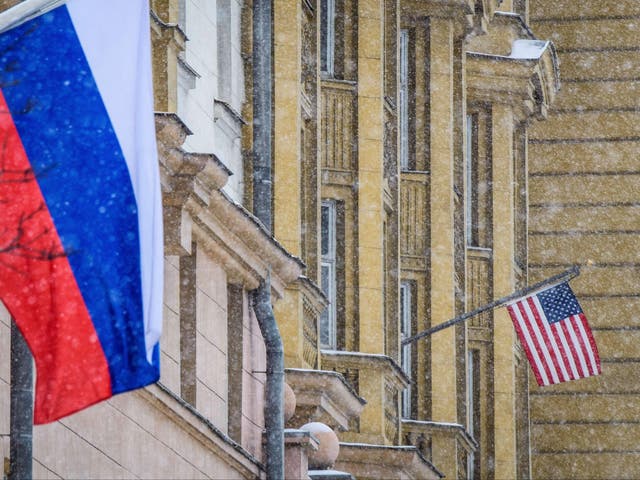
[[370, 175], [503, 284], [287, 118], [442, 219]]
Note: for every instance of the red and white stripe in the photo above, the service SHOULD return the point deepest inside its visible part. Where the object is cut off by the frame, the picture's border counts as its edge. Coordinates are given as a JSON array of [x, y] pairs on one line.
[[557, 352]]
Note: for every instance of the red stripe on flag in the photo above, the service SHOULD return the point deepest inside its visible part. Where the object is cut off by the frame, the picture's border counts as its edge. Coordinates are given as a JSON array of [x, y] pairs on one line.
[[536, 341], [592, 343], [39, 289], [524, 343]]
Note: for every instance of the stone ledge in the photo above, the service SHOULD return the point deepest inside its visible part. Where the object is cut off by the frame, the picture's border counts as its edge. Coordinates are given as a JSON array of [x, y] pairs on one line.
[[189, 419], [323, 396], [389, 462], [453, 431], [497, 70]]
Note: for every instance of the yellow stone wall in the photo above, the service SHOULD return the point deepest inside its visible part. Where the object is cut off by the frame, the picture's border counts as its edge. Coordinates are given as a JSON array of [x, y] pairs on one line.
[[584, 211]]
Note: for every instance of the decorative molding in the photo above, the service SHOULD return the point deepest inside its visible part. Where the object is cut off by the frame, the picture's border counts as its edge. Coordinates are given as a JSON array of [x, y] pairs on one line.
[[509, 65], [196, 206]]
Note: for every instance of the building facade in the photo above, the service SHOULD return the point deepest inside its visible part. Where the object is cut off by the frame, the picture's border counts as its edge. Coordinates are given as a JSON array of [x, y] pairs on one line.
[[424, 163]]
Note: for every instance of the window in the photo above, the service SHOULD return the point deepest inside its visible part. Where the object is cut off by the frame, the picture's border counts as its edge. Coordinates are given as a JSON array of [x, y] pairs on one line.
[[405, 332], [471, 168], [327, 36], [403, 99], [473, 407], [328, 273], [182, 15], [224, 50]]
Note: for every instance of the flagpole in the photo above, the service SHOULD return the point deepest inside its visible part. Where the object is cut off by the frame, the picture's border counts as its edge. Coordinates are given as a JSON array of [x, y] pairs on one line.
[[559, 278], [25, 10], [21, 414]]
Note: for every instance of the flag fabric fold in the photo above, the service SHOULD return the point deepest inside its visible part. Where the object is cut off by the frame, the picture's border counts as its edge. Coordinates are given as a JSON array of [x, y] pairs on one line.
[[555, 335], [81, 253]]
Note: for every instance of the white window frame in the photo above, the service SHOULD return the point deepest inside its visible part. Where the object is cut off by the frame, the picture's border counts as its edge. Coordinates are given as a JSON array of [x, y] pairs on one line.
[[329, 43], [471, 413], [328, 327], [403, 93], [406, 306]]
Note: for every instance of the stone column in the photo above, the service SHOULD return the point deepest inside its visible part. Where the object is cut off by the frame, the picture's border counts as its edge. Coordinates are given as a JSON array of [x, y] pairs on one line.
[[370, 175], [443, 344], [504, 283], [287, 165]]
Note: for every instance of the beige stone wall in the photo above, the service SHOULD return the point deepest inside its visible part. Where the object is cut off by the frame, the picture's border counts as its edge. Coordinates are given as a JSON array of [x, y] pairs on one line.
[[148, 433], [170, 340], [253, 379], [211, 340], [584, 211], [122, 438]]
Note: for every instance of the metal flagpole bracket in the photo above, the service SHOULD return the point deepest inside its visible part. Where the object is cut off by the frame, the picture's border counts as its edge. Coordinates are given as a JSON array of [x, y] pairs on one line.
[[549, 282], [25, 10]]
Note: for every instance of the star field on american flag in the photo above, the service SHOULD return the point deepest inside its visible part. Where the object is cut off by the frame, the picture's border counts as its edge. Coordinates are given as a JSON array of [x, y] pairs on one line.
[[559, 303]]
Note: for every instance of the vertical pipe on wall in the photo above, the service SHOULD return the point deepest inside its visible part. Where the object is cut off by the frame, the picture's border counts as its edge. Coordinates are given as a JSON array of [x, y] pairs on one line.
[[262, 209]]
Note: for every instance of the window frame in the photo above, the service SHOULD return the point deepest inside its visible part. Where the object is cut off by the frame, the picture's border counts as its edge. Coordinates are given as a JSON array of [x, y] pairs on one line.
[[328, 37], [328, 318], [406, 351]]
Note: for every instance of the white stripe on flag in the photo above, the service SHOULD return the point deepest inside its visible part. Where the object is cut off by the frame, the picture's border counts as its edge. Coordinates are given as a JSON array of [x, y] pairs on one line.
[[531, 317], [579, 349], [552, 340], [587, 344]]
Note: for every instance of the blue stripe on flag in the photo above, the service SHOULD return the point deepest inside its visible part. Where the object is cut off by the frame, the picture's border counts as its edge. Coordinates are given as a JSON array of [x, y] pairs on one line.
[[72, 147]]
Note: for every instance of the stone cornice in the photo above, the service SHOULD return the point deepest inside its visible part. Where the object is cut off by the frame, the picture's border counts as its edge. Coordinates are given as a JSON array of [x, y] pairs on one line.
[[439, 8], [367, 361], [473, 16], [510, 66], [312, 293], [188, 418], [195, 203], [323, 396], [379, 461], [451, 430]]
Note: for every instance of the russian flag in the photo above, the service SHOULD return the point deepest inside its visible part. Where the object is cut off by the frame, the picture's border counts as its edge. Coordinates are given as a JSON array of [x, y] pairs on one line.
[[81, 247]]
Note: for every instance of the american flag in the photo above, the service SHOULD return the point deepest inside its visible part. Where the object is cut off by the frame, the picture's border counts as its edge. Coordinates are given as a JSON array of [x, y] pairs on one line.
[[555, 335]]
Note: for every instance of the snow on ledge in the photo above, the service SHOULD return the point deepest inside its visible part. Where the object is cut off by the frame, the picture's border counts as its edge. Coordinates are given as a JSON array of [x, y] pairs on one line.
[[528, 49]]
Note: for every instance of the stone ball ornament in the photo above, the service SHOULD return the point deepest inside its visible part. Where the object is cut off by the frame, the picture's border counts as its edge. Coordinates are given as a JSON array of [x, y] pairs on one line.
[[329, 448]]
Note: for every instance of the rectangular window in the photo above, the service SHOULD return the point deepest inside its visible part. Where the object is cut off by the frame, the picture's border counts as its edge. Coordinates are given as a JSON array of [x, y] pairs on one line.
[[327, 36], [182, 15], [406, 305], [403, 99], [471, 171], [328, 273], [473, 407], [224, 49]]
